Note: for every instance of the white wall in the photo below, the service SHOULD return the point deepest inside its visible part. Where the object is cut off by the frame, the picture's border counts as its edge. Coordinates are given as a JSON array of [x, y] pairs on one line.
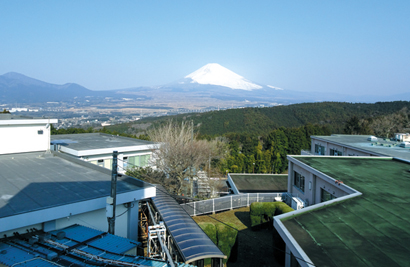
[[94, 219], [98, 220], [23, 138]]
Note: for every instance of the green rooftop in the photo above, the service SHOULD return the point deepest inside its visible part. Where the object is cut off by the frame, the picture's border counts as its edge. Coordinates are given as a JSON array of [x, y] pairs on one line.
[[260, 183], [369, 230]]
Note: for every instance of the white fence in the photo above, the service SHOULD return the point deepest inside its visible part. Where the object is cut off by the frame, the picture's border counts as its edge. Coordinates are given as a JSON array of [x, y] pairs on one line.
[[230, 202]]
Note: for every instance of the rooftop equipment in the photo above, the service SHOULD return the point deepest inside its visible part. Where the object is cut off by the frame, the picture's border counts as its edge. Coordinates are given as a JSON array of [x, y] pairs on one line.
[[372, 138]]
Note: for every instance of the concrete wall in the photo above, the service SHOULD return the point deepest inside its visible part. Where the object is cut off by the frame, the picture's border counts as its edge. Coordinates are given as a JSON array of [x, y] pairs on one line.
[[314, 182]]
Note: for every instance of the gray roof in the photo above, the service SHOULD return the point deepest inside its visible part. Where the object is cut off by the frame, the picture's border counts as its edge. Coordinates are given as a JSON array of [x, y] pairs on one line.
[[383, 146], [35, 181], [90, 141], [260, 183]]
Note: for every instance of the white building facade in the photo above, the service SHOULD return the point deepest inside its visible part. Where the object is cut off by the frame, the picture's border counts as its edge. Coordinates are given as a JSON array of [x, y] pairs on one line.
[[97, 148], [23, 134]]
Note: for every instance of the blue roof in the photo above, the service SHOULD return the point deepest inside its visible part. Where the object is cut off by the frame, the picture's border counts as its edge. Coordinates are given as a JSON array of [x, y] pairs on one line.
[[27, 251], [106, 242]]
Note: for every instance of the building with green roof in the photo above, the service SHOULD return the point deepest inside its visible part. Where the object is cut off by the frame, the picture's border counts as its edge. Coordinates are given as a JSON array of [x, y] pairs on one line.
[[358, 212], [359, 145], [242, 183]]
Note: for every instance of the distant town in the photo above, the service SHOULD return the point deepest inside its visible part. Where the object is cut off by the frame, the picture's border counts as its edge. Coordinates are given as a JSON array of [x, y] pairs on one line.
[[92, 114]]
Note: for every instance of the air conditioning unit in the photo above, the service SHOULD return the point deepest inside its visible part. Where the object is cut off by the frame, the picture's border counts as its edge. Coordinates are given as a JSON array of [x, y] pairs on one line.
[[298, 203]]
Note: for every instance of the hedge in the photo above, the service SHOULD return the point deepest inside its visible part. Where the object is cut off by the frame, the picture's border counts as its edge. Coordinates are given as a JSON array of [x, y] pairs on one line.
[[262, 212], [226, 238], [222, 235]]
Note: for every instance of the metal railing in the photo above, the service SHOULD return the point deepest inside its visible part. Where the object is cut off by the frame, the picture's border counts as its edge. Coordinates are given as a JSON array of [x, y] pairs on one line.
[[230, 202]]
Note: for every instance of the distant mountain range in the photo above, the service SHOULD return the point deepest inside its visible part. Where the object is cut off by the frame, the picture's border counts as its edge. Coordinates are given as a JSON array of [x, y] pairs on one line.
[[212, 81], [16, 87]]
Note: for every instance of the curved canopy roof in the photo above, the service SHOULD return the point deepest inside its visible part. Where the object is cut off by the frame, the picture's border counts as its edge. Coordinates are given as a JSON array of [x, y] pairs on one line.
[[191, 241]]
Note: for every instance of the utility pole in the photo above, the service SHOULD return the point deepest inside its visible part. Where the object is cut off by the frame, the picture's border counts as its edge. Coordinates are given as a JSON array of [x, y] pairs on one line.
[[112, 200]]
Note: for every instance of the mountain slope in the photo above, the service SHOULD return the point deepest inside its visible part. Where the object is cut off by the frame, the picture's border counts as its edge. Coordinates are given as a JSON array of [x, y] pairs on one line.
[[16, 87]]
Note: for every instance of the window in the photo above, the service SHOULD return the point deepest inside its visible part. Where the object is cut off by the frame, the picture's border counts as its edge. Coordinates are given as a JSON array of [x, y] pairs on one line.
[[100, 162], [125, 162], [335, 152], [325, 196], [138, 161], [319, 150], [299, 181], [40, 132]]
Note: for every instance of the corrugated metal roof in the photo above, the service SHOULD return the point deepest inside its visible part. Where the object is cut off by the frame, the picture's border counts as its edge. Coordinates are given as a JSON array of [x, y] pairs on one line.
[[191, 240], [21, 250], [106, 242]]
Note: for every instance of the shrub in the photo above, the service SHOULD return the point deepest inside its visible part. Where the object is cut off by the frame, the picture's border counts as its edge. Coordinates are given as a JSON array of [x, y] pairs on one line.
[[210, 231], [262, 212], [226, 239], [223, 236], [282, 208]]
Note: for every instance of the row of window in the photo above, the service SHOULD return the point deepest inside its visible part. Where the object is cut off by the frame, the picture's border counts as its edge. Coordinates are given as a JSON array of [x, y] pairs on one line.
[[128, 162], [299, 182], [321, 150]]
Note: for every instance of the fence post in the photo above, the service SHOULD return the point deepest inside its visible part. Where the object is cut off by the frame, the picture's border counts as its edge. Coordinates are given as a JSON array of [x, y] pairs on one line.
[[194, 209], [213, 206], [257, 197]]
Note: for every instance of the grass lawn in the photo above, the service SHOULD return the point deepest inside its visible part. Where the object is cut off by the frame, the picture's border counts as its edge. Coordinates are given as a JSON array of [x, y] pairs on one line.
[[255, 247]]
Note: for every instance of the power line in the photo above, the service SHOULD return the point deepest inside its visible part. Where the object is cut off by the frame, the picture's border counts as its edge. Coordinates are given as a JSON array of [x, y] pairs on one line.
[[238, 231]]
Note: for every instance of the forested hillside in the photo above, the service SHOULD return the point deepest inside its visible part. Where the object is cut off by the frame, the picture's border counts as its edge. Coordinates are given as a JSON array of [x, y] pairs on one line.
[[261, 121], [259, 139]]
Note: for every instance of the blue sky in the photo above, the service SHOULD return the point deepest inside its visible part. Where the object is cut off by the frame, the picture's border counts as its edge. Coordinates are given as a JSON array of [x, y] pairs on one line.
[[354, 47]]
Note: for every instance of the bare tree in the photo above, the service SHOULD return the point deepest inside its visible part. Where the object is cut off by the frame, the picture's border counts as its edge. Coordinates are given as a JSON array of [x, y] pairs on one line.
[[179, 153], [386, 126]]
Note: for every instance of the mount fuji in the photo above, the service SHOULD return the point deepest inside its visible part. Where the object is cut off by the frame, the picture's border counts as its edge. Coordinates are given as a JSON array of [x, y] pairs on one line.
[[215, 74], [214, 81]]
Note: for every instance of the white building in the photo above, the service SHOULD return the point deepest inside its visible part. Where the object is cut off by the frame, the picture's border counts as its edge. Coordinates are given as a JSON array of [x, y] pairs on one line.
[[97, 148], [24, 134], [51, 190], [402, 137]]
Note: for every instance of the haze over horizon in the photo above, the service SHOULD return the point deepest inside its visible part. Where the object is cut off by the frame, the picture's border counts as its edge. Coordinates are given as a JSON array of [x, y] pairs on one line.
[[351, 47]]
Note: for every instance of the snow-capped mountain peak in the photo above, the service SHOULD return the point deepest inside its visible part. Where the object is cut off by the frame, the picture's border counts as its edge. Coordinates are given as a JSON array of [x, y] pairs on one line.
[[215, 74]]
